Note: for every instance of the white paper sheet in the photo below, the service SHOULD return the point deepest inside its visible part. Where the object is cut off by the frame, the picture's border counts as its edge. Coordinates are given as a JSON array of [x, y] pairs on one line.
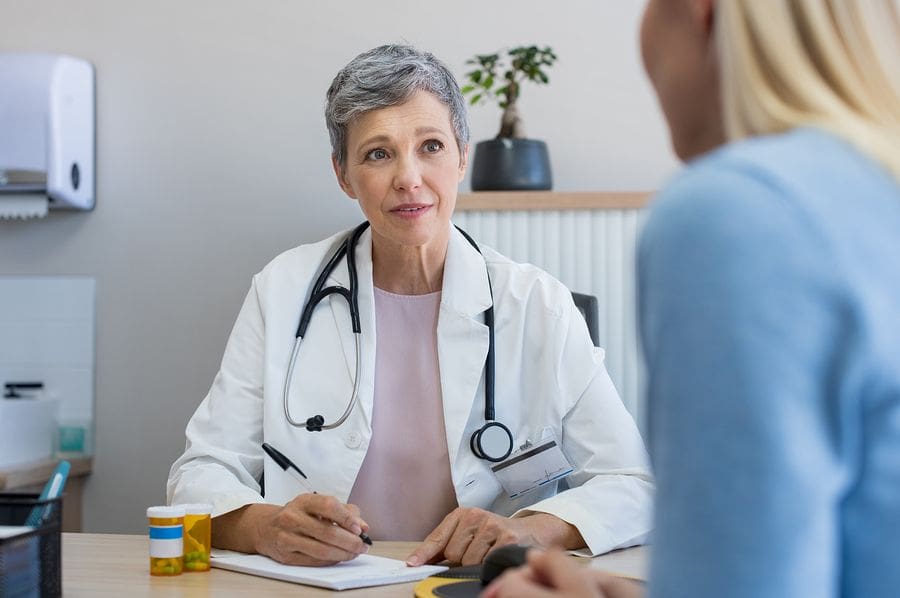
[[364, 571], [10, 531]]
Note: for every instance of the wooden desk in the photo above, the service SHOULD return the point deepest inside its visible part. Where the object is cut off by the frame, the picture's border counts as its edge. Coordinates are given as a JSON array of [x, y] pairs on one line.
[[31, 477], [117, 565]]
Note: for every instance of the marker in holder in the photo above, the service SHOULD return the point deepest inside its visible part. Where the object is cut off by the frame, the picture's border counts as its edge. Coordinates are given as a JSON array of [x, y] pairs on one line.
[[166, 540]]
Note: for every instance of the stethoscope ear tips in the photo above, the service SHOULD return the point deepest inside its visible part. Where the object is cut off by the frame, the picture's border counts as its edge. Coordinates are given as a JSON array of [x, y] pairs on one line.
[[315, 423]]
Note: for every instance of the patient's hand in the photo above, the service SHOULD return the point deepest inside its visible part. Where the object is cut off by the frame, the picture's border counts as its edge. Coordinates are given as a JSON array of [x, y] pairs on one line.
[[554, 574], [468, 533]]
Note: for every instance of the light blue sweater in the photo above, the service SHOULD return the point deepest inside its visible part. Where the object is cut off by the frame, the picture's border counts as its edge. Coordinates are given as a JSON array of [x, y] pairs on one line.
[[769, 285]]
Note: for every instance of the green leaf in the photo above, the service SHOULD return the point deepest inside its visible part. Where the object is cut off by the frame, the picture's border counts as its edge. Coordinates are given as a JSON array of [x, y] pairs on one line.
[[516, 65], [487, 60]]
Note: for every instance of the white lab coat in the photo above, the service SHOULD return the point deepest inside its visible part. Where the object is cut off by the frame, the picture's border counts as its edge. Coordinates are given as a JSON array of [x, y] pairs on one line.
[[548, 378]]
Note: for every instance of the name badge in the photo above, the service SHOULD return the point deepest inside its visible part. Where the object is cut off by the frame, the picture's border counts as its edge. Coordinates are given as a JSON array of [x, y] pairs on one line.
[[532, 467]]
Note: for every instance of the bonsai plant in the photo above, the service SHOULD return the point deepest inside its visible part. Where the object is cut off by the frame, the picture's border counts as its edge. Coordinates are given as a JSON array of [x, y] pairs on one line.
[[509, 161]]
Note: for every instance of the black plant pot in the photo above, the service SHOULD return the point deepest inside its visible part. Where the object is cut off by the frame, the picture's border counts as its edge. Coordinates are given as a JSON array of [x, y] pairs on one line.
[[507, 164]]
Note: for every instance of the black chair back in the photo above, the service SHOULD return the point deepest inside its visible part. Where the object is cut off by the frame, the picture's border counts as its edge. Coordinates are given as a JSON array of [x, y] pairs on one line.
[[589, 308]]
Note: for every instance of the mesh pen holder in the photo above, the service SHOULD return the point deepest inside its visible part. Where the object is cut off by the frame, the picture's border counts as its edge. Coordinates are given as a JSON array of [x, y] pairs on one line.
[[30, 562]]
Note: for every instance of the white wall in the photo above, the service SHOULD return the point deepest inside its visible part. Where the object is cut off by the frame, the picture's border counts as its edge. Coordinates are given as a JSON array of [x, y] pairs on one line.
[[213, 157]]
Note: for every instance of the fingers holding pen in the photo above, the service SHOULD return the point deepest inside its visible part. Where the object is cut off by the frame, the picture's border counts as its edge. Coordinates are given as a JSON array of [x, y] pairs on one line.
[[312, 530], [344, 516], [354, 520], [364, 534]]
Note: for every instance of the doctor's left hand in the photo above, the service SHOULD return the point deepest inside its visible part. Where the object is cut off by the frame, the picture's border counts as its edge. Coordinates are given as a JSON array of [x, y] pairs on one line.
[[469, 533]]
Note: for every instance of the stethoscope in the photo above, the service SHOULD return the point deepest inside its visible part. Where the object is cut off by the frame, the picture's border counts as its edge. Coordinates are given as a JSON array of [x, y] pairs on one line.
[[493, 441]]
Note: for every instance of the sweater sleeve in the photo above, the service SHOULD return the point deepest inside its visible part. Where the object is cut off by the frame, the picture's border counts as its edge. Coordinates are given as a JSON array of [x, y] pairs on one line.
[[740, 314]]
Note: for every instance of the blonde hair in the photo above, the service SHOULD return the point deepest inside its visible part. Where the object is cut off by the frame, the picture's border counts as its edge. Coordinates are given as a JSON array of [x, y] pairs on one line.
[[833, 64]]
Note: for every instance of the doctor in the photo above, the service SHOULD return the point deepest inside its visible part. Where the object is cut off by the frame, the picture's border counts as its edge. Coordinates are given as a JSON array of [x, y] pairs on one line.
[[461, 357]]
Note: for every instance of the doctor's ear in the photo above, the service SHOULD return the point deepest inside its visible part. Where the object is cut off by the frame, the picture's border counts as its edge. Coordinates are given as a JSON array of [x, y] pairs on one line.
[[463, 161], [342, 181]]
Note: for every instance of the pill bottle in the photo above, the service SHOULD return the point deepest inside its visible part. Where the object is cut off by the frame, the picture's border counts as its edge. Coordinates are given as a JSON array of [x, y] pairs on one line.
[[197, 536], [166, 540]]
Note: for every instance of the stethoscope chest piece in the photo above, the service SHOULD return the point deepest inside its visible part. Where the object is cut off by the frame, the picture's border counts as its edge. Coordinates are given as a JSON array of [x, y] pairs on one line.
[[492, 442]]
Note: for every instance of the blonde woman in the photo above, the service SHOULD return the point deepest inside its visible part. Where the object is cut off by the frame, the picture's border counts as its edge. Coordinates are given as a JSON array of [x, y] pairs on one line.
[[769, 276]]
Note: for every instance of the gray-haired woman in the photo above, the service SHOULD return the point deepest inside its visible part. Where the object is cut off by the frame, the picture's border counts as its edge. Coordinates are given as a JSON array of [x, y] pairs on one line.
[[463, 356]]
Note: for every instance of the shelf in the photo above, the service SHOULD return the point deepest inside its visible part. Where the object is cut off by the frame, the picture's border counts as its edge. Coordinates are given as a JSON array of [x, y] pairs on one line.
[[29, 474], [552, 200]]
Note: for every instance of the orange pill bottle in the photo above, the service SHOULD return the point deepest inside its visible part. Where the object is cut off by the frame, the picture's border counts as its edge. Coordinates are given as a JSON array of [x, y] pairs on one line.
[[197, 536], [166, 540]]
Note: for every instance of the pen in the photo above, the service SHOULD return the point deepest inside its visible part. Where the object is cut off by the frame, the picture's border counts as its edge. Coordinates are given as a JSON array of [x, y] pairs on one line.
[[287, 465], [52, 489]]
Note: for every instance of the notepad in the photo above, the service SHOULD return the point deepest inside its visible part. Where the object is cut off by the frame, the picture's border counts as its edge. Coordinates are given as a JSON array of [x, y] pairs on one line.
[[364, 571]]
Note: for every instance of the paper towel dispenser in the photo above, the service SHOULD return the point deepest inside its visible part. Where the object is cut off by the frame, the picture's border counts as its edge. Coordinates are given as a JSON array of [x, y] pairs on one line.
[[46, 130]]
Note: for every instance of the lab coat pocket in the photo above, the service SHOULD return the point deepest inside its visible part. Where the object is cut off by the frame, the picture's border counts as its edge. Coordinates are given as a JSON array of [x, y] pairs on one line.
[[479, 488]]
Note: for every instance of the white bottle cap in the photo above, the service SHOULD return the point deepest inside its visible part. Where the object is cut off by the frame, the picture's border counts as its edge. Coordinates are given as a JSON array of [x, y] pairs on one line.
[[165, 512]]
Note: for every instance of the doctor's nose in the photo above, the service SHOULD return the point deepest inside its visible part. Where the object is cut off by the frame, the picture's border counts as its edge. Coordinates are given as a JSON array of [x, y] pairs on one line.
[[408, 176]]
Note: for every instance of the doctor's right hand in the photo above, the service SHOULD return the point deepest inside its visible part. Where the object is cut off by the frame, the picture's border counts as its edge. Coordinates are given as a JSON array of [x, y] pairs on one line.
[[311, 530]]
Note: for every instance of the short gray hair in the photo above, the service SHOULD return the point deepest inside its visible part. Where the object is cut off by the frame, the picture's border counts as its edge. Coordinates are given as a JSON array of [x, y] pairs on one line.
[[388, 76]]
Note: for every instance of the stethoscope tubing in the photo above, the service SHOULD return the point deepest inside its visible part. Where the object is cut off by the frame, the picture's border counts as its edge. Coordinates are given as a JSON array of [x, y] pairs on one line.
[[348, 249], [354, 398], [489, 361]]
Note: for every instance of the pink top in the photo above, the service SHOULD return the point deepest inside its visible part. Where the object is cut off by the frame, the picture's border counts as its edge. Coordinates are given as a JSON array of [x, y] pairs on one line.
[[404, 487]]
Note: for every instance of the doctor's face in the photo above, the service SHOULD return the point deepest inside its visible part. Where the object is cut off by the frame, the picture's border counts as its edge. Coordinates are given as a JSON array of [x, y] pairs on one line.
[[404, 168]]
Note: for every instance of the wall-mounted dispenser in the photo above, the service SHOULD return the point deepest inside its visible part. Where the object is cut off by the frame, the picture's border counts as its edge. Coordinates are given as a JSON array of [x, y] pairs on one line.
[[46, 134]]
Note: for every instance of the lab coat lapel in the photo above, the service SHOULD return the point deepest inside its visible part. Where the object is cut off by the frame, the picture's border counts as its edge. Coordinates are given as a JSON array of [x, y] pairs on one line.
[[462, 338], [341, 313]]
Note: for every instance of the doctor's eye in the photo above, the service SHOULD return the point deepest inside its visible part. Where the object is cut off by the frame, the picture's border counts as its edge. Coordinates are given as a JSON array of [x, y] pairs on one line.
[[377, 154], [433, 146]]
